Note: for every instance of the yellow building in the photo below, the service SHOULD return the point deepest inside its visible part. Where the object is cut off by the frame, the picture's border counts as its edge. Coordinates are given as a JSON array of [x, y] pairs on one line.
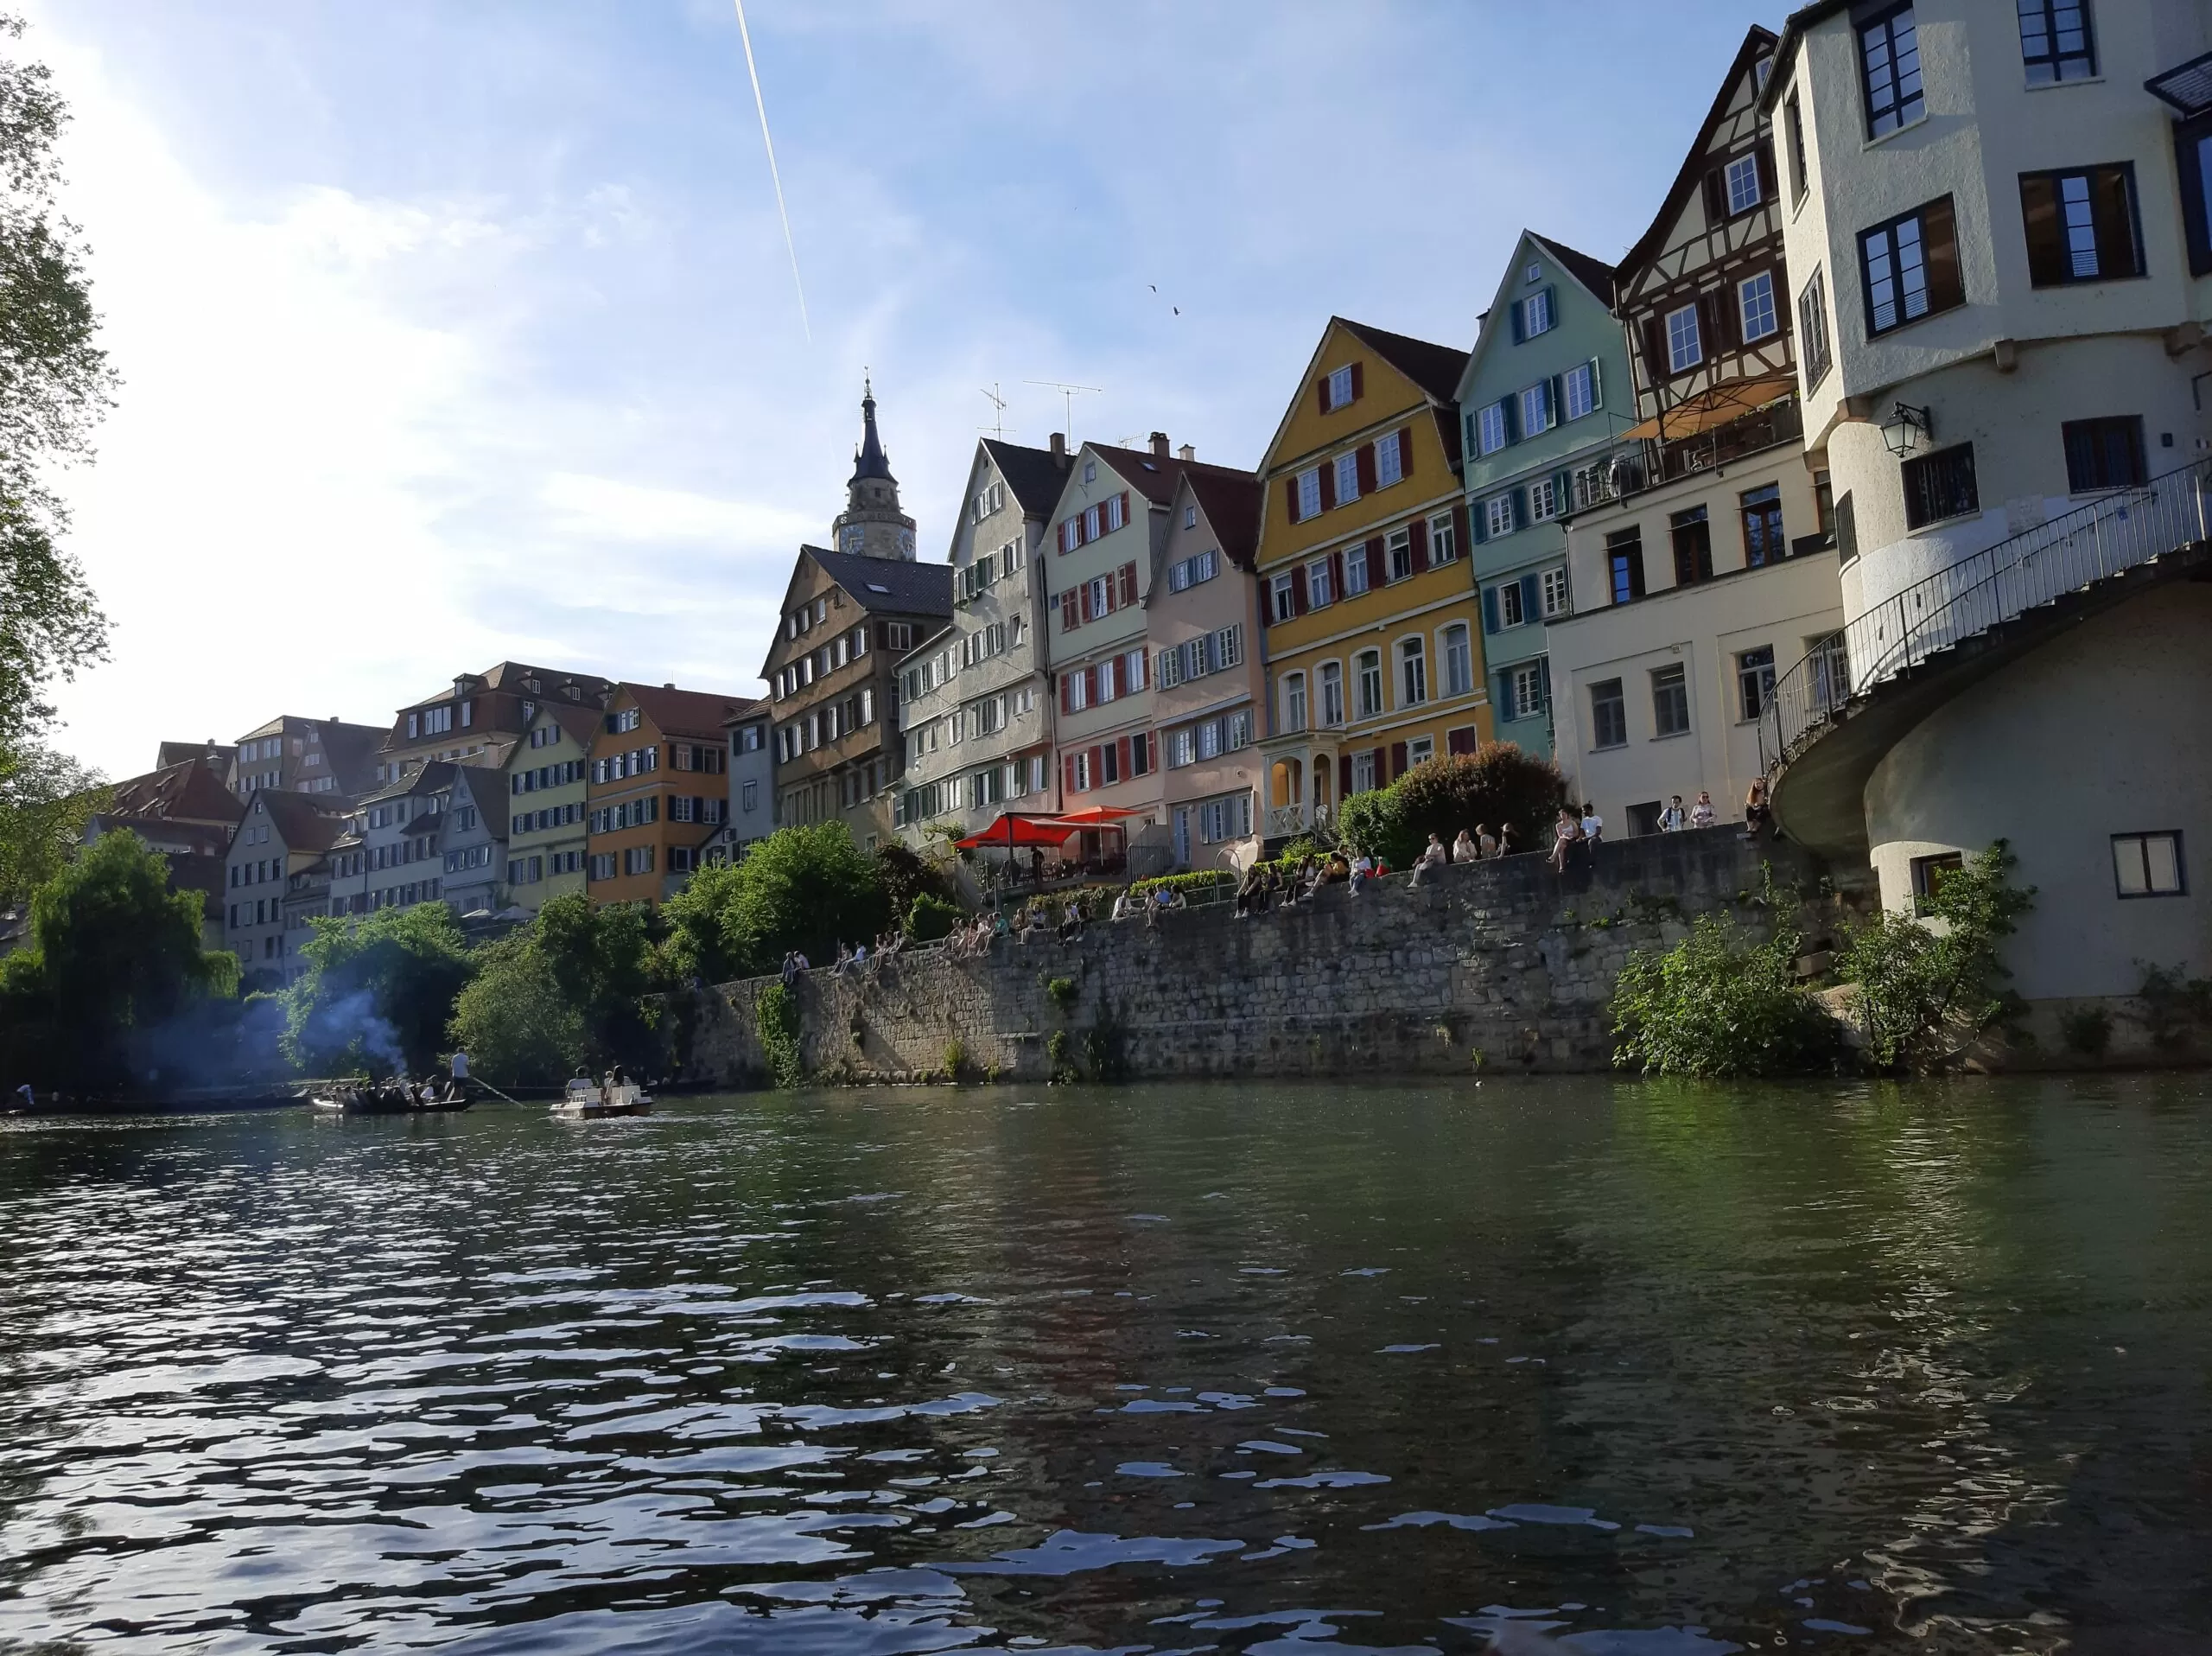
[[1374, 635]]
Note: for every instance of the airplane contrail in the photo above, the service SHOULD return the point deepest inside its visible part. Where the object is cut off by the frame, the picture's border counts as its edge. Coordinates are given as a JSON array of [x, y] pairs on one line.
[[774, 177]]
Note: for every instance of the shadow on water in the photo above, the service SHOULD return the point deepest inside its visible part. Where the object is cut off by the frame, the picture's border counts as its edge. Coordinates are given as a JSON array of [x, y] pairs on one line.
[[1662, 1369]]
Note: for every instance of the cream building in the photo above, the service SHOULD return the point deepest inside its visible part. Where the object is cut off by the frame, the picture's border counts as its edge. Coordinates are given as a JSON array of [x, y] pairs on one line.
[[1998, 235], [546, 817]]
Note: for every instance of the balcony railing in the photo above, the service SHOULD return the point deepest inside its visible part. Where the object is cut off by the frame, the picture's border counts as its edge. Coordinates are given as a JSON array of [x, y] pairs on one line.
[[1284, 819], [2037, 566], [1763, 428]]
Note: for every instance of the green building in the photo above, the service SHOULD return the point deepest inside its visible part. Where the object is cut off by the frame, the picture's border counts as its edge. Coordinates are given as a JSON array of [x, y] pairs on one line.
[[1545, 393]]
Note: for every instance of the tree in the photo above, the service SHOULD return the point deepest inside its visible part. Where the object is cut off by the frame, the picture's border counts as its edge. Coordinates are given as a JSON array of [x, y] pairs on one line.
[[115, 956], [804, 888], [46, 801], [1498, 784], [379, 990], [580, 974], [1717, 1005], [54, 385], [515, 1021]]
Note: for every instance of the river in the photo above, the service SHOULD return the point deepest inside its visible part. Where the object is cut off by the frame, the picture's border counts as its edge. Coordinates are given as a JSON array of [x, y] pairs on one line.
[[1268, 1368]]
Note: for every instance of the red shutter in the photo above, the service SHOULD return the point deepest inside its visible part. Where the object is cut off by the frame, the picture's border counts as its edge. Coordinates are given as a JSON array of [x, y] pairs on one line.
[[1097, 767], [1298, 605], [1321, 393], [1716, 197], [1358, 386], [1397, 760], [1460, 544], [1419, 531], [1290, 493], [1129, 584], [1344, 777], [1067, 695], [1090, 684], [1461, 740], [1125, 506], [1328, 485], [1065, 544], [1655, 350], [1124, 746], [1406, 452], [1363, 466], [1766, 169], [1374, 563], [1067, 769], [1336, 563]]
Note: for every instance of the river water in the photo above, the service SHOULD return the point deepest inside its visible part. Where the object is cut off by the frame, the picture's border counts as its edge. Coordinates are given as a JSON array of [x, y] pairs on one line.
[[1281, 1369]]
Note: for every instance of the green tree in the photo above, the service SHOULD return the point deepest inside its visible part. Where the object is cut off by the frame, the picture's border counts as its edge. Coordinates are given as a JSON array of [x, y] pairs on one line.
[[1718, 1004], [46, 801], [567, 989], [115, 956], [379, 990], [516, 1022], [805, 888], [1498, 784]]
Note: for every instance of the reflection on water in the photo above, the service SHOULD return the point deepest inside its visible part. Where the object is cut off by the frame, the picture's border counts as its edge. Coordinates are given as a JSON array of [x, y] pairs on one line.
[[1285, 1370]]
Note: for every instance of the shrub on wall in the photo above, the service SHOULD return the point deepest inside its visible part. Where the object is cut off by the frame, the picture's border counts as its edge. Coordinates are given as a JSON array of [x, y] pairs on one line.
[[1720, 1006], [1498, 784], [775, 1012], [931, 917]]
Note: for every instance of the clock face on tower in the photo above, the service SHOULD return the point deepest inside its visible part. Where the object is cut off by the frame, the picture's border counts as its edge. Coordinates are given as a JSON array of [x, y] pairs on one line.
[[853, 540], [905, 543]]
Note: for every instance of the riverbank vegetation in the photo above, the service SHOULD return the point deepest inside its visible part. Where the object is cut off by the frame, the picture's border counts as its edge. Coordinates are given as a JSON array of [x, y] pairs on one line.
[[1496, 785]]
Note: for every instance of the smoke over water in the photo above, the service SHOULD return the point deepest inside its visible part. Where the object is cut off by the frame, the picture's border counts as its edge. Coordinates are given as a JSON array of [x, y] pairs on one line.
[[353, 1022]]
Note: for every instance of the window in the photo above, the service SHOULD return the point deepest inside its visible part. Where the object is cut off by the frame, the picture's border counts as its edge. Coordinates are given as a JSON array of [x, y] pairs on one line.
[[1294, 701], [1743, 179], [1443, 540], [2081, 226], [1363, 772], [1190, 516], [1755, 307], [1337, 389], [1813, 330], [1536, 316], [1390, 459], [1608, 715], [1509, 610], [1794, 124], [1497, 516], [1398, 553], [1412, 673], [1911, 267], [1090, 471], [1888, 66], [1555, 591], [1625, 563], [2104, 454], [1580, 390], [1421, 750], [1459, 661], [2148, 865], [1369, 663], [1755, 679], [1347, 478], [1320, 575], [749, 796], [1691, 535], [1525, 688], [2193, 161], [1536, 408], [1285, 606], [1928, 874], [1762, 512], [1685, 350], [1489, 428], [638, 859], [603, 865], [2055, 42], [1355, 570], [1940, 485], [1670, 701], [1332, 694], [1309, 494], [1546, 500]]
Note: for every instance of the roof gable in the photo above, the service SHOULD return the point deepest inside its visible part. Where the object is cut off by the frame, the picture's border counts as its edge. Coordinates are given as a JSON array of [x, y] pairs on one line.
[[1230, 502], [1414, 372], [681, 712], [1757, 43], [1593, 277], [1032, 475]]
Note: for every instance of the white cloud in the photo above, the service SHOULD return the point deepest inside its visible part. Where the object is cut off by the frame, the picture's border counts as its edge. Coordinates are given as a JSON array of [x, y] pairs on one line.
[[607, 508]]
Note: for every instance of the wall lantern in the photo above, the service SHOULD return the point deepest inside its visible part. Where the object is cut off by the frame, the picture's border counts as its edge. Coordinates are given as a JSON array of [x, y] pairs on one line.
[[1907, 428]]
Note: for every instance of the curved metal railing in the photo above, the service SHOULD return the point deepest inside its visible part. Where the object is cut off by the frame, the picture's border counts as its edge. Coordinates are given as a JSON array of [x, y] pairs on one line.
[[2113, 532]]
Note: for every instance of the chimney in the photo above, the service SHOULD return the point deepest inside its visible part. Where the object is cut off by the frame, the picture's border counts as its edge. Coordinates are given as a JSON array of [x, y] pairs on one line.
[[1159, 445], [668, 687], [1060, 448], [1187, 454]]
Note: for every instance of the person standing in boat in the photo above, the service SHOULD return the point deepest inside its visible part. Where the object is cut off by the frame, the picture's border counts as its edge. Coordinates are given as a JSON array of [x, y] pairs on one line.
[[459, 1074]]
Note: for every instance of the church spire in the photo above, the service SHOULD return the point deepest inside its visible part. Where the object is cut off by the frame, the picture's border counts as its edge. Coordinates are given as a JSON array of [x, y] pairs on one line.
[[869, 460], [872, 525]]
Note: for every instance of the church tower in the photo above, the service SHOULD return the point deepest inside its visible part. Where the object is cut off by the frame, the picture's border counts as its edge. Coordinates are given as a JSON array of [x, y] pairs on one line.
[[872, 524]]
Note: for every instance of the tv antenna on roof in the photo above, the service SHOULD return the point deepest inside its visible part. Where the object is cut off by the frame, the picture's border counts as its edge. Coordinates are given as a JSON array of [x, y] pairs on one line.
[[1068, 394], [998, 428]]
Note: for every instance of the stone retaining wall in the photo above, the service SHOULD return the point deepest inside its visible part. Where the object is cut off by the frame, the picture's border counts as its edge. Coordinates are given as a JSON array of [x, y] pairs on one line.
[[1501, 963]]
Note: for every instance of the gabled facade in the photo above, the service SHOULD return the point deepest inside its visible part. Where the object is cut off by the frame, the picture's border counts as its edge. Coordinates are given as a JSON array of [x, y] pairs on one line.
[[975, 707], [752, 780], [477, 712], [1534, 411], [1209, 698], [1699, 556], [475, 845], [324, 756], [396, 857], [659, 790], [281, 836], [1374, 638], [545, 805]]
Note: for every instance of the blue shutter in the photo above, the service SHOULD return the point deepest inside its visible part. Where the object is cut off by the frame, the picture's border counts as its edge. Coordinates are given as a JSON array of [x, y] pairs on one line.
[[1514, 305], [1489, 609], [1544, 678], [1503, 695], [1557, 394], [1519, 503], [1551, 306], [1479, 521], [1510, 416], [1597, 385], [1528, 597]]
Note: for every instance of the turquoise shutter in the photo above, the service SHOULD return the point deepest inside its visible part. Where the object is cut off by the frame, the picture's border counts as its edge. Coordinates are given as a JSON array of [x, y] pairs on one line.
[[1544, 678], [1597, 385], [1489, 609], [1528, 597], [1502, 696]]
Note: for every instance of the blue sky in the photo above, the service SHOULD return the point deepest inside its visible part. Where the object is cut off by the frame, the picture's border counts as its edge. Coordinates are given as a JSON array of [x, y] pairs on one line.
[[461, 331]]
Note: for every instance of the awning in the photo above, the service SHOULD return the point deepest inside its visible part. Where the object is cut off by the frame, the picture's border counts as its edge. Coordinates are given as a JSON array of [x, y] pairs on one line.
[[1091, 815], [1013, 830], [1715, 407]]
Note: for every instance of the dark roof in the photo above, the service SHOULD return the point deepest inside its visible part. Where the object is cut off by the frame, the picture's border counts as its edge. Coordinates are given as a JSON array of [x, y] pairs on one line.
[[187, 793], [1592, 273], [1155, 475], [508, 676], [488, 788], [869, 460], [433, 774], [581, 722], [303, 819], [1435, 368], [1793, 30], [183, 753], [1232, 503], [1757, 43], [1033, 474], [200, 838], [688, 712], [893, 585]]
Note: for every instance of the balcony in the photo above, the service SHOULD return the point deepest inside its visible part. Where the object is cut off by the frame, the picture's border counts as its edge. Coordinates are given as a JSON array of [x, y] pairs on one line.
[[1779, 421]]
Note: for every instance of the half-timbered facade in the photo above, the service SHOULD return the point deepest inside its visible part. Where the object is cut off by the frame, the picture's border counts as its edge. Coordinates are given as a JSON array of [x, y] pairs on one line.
[[1699, 548]]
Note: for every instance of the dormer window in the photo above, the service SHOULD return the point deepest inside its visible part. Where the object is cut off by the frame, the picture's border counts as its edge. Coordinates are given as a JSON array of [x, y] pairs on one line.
[[1532, 275], [1338, 390], [1090, 471]]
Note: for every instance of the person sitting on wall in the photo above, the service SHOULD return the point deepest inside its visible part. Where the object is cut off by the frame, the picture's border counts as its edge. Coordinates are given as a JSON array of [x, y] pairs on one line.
[[1504, 840], [1463, 849], [1485, 842], [1565, 833], [1125, 906], [1338, 869], [1593, 825], [1363, 871], [1756, 816], [1433, 857]]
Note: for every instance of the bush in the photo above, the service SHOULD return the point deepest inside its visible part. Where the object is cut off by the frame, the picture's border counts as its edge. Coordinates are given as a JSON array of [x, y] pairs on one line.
[[2175, 1007], [1060, 991], [904, 875], [1497, 784], [1190, 884], [804, 888], [931, 917], [1715, 1005], [378, 991], [956, 1060], [518, 1026], [776, 1016], [1927, 991], [2087, 1030]]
